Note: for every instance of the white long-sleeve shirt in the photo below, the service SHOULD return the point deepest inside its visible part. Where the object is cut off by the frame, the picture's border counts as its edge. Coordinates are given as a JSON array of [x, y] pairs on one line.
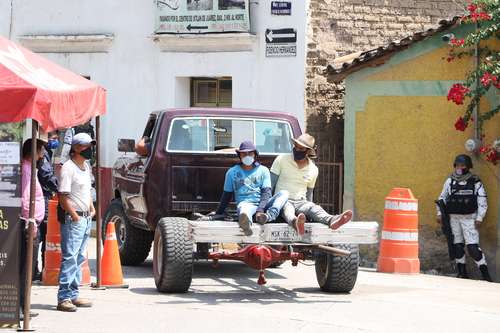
[[482, 203]]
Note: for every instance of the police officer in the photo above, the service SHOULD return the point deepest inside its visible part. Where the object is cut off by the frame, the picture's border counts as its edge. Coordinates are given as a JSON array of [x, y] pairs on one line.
[[465, 201]]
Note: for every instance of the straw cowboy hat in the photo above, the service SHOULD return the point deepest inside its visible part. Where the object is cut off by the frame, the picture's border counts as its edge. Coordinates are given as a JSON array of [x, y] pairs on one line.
[[306, 141]]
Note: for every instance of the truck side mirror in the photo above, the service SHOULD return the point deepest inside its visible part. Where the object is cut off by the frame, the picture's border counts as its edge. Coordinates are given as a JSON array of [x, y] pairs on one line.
[[126, 145]]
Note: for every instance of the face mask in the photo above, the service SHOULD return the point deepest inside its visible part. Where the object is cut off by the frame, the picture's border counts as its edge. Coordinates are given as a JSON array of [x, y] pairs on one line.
[[53, 144], [87, 153], [247, 160], [299, 155]]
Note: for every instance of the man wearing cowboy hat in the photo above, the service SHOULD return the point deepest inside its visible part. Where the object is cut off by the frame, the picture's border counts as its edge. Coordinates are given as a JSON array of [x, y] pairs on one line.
[[297, 174], [250, 183]]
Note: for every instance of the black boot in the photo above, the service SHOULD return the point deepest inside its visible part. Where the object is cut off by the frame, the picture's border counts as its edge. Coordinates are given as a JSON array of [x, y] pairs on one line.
[[484, 273], [462, 271]]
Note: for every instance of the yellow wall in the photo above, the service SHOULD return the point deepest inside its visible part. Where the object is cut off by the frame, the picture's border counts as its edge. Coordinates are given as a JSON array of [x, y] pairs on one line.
[[410, 141]]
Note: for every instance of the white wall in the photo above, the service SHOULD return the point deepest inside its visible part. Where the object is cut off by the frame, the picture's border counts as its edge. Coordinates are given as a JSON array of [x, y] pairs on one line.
[[140, 78]]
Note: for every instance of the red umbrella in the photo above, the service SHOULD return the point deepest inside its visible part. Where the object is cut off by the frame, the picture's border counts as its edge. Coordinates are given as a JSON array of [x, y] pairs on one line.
[[32, 87]]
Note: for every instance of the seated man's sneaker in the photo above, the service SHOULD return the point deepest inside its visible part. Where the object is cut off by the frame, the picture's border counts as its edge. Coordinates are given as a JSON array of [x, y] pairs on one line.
[[339, 220], [245, 224], [261, 218], [82, 303], [66, 306]]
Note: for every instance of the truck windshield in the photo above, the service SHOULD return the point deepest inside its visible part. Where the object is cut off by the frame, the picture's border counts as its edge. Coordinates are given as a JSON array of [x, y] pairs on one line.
[[223, 135]]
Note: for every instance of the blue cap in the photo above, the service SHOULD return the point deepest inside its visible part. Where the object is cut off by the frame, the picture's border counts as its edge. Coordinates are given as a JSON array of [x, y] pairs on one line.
[[246, 146]]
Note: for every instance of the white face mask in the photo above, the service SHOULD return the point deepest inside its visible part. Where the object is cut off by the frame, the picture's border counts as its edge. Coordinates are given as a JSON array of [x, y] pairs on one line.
[[247, 160]]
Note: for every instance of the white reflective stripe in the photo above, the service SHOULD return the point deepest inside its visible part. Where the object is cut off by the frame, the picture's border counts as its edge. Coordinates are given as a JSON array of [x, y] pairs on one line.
[[111, 236], [400, 236], [401, 205], [56, 247]]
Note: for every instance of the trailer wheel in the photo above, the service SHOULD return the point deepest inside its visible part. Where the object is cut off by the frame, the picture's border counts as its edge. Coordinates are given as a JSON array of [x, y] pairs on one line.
[[133, 243], [172, 255], [338, 274]]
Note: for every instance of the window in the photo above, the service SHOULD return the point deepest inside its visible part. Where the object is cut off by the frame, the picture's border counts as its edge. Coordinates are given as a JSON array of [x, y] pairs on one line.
[[223, 135], [229, 133], [211, 92], [272, 137]]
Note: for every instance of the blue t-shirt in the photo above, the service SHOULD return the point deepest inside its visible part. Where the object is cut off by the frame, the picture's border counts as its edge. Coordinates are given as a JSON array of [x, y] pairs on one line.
[[246, 184]]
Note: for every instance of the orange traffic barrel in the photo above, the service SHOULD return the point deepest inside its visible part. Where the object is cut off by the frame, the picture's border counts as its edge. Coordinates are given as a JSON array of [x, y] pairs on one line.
[[399, 242], [53, 254]]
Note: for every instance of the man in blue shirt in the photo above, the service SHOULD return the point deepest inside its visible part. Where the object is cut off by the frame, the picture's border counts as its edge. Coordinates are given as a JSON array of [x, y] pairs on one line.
[[250, 184]]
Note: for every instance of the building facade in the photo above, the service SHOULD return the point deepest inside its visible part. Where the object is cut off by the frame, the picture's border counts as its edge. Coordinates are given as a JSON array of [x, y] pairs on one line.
[[400, 133]]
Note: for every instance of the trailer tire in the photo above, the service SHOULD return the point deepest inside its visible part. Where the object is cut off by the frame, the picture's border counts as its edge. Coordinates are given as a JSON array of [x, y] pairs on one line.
[[172, 255], [336, 274], [133, 244]]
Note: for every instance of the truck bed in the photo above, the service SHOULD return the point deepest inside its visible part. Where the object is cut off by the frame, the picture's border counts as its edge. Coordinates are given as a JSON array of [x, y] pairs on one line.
[[282, 233]]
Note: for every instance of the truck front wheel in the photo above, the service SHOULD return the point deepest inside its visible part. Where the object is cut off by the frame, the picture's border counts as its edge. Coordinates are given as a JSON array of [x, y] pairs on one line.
[[172, 255], [338, 274], [133, 243]]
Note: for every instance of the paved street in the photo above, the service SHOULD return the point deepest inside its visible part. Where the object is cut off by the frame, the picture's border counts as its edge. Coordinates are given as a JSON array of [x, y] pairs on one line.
[[228, 298]]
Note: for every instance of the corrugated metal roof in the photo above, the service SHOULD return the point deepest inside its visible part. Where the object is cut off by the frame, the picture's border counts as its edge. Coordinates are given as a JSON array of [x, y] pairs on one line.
[[343, 66]]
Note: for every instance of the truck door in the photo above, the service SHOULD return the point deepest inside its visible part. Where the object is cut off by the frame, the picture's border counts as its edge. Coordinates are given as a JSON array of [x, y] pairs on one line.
[[133, 194]]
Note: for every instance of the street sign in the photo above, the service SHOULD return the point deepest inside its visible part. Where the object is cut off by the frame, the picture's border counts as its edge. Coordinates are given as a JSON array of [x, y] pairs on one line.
[[281, 8], [201, 16], [281, 42]]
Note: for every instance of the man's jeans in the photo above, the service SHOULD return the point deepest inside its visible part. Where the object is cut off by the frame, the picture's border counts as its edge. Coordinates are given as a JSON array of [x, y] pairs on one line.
[[74, 238], [313, 212], [272, 208]]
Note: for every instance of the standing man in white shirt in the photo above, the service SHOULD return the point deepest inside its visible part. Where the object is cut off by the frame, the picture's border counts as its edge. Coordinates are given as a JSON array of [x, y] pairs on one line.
[[76, 200]]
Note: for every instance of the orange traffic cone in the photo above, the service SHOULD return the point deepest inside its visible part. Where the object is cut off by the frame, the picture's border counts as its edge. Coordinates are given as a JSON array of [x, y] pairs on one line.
[[50, 274], [111, 268], [399, 241]]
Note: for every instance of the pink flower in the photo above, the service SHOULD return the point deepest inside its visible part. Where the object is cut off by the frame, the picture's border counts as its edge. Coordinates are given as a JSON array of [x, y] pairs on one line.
[[461, 125], [457, 42], [457, 93]]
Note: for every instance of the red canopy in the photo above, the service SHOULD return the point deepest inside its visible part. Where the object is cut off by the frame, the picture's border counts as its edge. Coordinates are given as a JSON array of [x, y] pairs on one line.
[[32, 87]]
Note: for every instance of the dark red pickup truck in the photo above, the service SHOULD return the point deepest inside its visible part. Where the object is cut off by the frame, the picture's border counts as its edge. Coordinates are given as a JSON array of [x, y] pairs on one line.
[[191, 149]]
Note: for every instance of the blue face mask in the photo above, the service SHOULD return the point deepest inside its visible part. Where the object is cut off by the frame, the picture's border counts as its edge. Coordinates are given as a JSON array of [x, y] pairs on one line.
[[53, 144]]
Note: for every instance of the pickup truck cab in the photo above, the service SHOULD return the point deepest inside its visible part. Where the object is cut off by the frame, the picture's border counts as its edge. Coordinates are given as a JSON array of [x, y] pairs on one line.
[[190, 150]]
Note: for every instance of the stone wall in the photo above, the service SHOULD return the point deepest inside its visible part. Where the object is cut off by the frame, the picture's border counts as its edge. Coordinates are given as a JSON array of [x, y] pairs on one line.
[[340, 27]]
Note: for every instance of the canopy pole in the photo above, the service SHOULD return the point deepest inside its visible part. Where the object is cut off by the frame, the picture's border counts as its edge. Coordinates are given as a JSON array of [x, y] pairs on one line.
[[98, 200], [31, 231]]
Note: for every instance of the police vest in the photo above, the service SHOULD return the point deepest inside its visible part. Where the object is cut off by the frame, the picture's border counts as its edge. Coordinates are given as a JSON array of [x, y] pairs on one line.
[[463, 198]]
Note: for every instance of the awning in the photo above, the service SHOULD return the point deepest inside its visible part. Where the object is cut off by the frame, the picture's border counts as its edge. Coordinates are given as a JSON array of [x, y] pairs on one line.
[[32, 87]]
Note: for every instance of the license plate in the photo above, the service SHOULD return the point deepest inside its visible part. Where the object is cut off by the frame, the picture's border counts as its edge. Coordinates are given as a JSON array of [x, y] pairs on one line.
[[281, 234]]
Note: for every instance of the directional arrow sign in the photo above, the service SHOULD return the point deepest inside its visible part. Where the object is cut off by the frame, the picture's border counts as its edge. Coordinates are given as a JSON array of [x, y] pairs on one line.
[[196, 27], [277, 36]]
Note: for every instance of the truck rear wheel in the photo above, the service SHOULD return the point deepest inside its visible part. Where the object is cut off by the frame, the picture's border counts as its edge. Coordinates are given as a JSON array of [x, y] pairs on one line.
[[172, 255], [133, 243], [338, 274]]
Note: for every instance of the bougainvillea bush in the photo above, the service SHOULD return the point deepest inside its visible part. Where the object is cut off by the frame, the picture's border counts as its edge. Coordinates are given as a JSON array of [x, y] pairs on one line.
[[485, 15]]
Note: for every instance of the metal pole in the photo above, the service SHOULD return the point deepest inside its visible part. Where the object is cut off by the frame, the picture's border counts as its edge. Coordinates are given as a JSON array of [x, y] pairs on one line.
[[98, 200], [29, 252]]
